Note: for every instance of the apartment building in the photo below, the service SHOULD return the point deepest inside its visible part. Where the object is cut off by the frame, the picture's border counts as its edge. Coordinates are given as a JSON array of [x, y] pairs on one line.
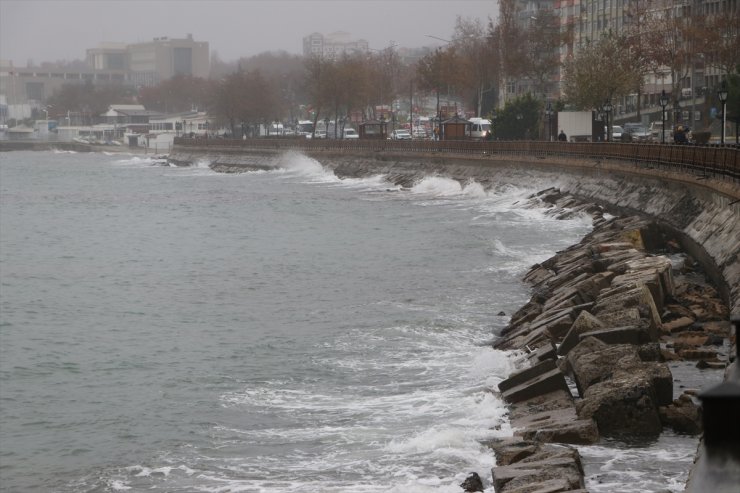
[[333, 45]]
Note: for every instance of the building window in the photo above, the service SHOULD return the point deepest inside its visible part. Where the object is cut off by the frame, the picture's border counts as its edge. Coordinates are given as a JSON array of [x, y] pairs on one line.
[[35, 90], [182, 61]]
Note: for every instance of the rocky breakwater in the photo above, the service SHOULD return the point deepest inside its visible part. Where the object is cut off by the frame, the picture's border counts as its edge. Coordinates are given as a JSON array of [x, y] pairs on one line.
[[606, 317]]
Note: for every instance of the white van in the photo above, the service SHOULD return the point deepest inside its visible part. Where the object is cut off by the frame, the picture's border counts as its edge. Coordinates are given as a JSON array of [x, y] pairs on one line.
[[351, 133], [480, 129]]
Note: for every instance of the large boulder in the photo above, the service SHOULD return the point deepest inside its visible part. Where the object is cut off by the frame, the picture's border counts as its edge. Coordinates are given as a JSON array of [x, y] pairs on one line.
[[591, 363], [622, 406], [684, 415], [585, 322], [539, 470], [624, 297], [556, 426]]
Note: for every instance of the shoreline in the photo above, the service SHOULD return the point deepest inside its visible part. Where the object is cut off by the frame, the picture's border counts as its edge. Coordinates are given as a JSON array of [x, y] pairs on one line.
[[571, 284], [607, 316], [702, 218]]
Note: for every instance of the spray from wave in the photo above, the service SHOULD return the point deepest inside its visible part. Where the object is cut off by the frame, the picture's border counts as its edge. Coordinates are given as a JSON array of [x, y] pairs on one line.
[[438, 186]]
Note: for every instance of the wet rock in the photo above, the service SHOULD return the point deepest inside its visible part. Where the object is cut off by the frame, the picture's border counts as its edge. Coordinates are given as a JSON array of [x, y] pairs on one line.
[[544, 383], [691, 339], [550, 465], [585, 322], [677, 325], [472, 483], [513, 449], [620, 335], [683, 415], [650, 352], [638, 297], [623, 405], [556, 426], [698, 354], [526, 374]]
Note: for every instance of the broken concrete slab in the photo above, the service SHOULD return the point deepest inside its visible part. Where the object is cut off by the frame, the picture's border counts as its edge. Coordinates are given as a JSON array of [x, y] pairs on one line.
[[542, 384]]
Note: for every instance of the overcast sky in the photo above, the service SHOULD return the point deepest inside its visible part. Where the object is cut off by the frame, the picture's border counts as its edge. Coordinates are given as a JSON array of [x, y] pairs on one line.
[[50, 30]]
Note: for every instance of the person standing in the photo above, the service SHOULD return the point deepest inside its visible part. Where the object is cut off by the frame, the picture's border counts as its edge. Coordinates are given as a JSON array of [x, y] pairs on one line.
[[562, 137]]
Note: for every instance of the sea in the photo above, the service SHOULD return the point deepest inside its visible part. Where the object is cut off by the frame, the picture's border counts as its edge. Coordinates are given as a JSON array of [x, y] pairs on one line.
[[175, 329]]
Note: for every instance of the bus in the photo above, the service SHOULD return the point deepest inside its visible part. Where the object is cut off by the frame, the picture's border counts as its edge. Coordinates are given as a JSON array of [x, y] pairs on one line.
[[304, 128]]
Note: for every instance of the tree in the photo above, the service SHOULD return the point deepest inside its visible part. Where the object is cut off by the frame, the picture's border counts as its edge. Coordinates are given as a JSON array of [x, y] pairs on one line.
[[87, 100], [720, 39], [511, 43], [479, 59], [640, 33], [439, 69], [243, 99], [178, 94], [519, 119], [601, 70], [542, 40], [673, 48]]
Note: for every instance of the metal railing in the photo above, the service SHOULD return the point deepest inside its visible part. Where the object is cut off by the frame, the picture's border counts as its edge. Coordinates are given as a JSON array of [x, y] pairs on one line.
[[721, 162]]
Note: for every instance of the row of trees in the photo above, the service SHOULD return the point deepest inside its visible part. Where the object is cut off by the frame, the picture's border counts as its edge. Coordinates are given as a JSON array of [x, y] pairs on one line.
[[472, 66]]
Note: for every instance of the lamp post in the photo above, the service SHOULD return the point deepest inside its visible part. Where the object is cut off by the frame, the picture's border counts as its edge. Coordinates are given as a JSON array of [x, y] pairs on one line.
[[607, 110], [663, 103], [722, 95], [548, 116]]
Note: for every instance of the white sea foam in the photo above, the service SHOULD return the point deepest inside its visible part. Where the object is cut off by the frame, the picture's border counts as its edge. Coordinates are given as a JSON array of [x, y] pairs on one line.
[[59, 151], [663, 465], [136, 161], [438, 186]]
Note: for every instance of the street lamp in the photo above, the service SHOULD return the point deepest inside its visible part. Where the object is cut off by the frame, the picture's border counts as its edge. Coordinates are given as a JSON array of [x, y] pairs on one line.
[[663, 103], [607, 110], [722, 95], [548, 116]]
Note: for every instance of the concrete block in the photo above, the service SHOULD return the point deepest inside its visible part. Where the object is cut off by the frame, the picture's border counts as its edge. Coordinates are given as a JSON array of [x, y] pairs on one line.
[[542, 384], [522, 376], [620, 335], [585, 322]]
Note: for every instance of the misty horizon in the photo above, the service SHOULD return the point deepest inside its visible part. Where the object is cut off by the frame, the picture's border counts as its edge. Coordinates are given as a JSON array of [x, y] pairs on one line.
[[41, 31]]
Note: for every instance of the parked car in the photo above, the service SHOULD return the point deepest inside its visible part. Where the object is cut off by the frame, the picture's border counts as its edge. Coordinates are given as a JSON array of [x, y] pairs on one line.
[[350, 133], [400, 134], [656, 128], [420, 133], [637, 131], [617, 132]]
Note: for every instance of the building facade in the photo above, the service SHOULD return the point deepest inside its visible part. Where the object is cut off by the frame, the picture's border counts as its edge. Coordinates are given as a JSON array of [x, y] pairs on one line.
[[139, 64], [333, 45], [583, 21]]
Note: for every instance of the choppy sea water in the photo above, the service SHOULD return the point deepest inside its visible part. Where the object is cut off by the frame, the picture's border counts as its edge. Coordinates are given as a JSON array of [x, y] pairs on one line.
[[175, 329]]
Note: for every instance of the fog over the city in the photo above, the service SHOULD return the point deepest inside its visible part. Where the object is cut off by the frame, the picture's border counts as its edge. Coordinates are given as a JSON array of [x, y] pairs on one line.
[[50, 30]]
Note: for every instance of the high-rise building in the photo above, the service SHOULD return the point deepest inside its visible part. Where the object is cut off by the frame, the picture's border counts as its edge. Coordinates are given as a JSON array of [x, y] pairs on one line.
[[163, 58]]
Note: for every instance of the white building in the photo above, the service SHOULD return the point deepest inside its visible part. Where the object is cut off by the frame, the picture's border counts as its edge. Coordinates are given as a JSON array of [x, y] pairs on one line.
[[333, 45]]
